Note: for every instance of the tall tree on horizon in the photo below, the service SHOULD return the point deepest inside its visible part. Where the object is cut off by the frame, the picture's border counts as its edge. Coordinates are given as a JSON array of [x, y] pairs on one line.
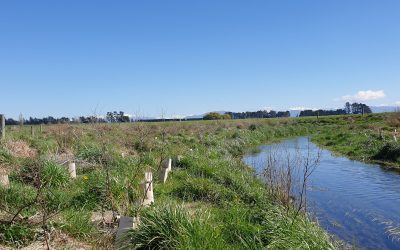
[[347, 108]]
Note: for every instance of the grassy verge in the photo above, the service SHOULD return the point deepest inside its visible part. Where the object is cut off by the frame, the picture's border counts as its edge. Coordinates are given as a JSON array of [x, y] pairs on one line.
[[368, 138]]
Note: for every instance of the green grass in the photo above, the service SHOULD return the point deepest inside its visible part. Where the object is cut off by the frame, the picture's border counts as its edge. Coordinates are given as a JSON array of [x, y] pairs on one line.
[[18, 234], [76, 223], [366, 138], [211, 201], [172, 227]]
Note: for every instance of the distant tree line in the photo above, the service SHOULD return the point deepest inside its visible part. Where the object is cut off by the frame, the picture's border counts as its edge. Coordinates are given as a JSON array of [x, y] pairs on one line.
[[111, 117], [118, 117], [354, 108], [246, 115], [36, 121], [321, 112], [217, 116], [52, 120], [259, 114]]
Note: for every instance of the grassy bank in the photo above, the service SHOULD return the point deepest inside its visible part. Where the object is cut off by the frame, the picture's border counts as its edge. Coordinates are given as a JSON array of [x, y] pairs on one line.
[[211, 200], [368, 138]]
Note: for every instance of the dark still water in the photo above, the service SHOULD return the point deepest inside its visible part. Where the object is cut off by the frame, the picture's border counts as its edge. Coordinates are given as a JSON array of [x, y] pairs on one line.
[[358, 202]]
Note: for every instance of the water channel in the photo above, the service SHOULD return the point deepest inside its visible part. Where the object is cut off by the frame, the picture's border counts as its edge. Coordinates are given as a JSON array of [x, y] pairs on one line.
[[357, 202]]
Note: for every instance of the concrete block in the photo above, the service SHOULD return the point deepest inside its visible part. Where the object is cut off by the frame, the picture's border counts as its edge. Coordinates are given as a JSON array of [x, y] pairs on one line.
[[125, 225]]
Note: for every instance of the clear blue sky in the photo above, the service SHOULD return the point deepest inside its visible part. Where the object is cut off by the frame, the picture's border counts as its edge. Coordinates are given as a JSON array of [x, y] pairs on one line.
[[189, 57]]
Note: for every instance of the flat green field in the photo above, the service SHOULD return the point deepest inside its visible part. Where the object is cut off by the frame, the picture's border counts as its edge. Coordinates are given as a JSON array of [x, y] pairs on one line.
[[211, 200]]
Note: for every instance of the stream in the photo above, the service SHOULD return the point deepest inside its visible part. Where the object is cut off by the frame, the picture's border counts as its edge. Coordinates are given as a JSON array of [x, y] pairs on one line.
[[357, 202]]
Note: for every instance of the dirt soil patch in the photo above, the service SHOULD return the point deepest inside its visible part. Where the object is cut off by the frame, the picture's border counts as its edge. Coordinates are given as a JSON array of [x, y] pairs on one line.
[[59, 241]]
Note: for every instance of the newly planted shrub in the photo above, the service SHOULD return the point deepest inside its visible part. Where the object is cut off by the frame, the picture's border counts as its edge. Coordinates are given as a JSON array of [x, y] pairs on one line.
[[252, 127], [17, 235], [77, 223], [91, 191], [53, 175], [91, 153], [16, 197]]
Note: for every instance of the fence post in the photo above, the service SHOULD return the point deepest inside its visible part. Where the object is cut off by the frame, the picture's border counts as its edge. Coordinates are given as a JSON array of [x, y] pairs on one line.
[[2, 126], [32, 131], [395, 135]]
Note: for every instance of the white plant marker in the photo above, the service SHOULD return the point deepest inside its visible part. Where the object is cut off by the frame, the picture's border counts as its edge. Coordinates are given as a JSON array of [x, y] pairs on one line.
[[4, 181], [169, 164], [148, 189], [395, 135], [72, 170], [165, 169]]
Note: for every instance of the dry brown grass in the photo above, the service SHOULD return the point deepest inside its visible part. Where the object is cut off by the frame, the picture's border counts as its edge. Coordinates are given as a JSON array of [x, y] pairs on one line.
[[393, 120], [21, 149], [59, 241], [63, 156]]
